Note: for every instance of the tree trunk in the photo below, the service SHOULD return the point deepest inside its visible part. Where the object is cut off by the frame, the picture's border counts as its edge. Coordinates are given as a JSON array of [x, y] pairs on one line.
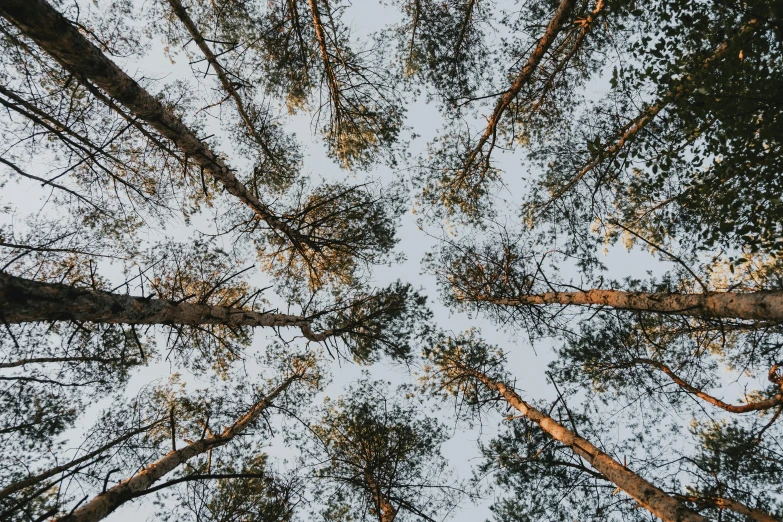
[[763, 404], [386, 510], [752, 306], [647, 115], [648, 496], [733, 505], [544, 43], [105, 503], [24, 300], [60, 39], [182, 14]]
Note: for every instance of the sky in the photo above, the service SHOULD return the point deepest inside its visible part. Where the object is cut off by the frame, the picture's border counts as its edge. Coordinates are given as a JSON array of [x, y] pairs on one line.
[[527, 363]]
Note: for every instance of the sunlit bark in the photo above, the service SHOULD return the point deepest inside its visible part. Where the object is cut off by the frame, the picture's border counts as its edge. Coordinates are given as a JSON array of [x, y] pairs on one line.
[[753, 306], [647, 495]]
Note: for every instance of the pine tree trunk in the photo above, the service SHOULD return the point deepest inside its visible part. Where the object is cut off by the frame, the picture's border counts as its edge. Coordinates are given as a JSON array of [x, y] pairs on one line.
[[38, 20], [648, 496], [753, 306], [105, 503], [24, 300]]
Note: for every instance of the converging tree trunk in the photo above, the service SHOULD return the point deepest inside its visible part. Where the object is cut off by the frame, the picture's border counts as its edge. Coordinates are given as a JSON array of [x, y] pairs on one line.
[[60, 39], [752, 306], [105, 503], [627, 133], [23, 300], [650, 497], [544, 43]]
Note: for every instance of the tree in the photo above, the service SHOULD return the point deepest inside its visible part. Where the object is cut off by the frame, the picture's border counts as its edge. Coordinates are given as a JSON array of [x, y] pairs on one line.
[[375, 455], [179, 223]]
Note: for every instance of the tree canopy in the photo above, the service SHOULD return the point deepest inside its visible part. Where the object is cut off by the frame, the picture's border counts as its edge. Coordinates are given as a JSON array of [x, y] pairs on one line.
[[246, 249]]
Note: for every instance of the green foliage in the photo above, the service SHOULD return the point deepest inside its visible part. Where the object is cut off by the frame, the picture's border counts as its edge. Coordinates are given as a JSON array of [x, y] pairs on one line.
[[375, 454]]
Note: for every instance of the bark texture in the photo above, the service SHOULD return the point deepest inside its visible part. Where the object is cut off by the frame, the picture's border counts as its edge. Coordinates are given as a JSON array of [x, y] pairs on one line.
[[105, 503], [23, 300], [648, 496], [752, 306], [38, 20]]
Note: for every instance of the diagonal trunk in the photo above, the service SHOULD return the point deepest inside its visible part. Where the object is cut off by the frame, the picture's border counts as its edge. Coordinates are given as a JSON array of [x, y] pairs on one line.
[[751, 306], [24, 300], [24, 483], [647, 495], [733, 505], [544, 43], [228, 86], [647, 115], [102, 505], [763, 404], [38, 20]]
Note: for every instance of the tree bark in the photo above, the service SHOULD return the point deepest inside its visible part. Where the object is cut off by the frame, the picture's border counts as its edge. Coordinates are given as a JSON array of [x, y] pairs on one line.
[[544, 43], [38, 20], [386, 510], [648, 496], [24, 300], [751, 306], [105, 503]]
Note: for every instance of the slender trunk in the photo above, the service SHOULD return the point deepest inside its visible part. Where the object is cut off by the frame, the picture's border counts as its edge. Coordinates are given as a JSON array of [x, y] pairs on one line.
[[586, 24], [763, 404], [24, 483], [551, 32], [24, 300], [38, 20], [641, 121], [182, 14], [105, 503], [331, 77], [733, 505], [751, 306], [648, 496], [464, 29]]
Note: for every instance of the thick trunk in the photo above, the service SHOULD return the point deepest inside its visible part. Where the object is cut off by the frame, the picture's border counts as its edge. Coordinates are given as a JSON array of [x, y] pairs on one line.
[[105, 503], [386, 510], [60, 39], [648, 496], [752, 306], [24, 300]]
